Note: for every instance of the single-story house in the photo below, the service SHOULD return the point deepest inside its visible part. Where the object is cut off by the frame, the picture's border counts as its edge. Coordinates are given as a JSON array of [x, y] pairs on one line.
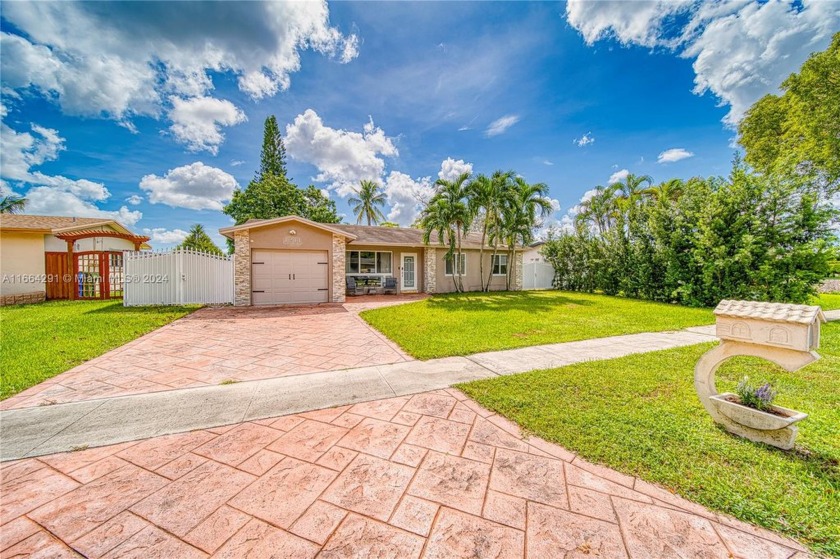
[[52, 257], [294, 260]]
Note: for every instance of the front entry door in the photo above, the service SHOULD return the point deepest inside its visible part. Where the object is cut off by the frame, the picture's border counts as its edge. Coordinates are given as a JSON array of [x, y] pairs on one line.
[[409, 272]]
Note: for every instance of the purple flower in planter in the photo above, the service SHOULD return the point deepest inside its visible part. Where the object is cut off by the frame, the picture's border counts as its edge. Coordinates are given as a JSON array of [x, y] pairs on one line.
[[760, 398]]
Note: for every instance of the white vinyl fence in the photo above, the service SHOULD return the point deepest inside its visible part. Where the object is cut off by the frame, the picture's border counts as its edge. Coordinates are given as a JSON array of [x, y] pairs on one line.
[[537, 275], [177, 277]]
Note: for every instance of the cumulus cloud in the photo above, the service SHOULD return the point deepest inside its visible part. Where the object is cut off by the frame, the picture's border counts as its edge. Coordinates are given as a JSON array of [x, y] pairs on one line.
[[584, 140], [197, 122], [614, 178], [20, 152], [741, 50], [673, 154], [129, 59], [196, 187], [134, 200], [342, 157], [406, 196], [451, 169], [500, 125], [164, 236]]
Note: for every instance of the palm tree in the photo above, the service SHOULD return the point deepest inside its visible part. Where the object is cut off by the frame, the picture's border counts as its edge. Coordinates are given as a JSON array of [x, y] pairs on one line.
[[448, 214], [12, 204], [668, 191], [599, 209], [631, 186], [486, 201], [366, 203], [526, 205]]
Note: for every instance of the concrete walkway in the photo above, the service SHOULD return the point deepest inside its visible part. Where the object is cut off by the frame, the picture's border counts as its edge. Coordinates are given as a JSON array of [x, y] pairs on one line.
[[433, 475], [45, 430]]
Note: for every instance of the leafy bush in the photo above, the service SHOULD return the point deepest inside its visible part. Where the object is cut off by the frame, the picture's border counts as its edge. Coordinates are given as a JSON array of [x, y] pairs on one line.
[[759, 397], [751, 236]]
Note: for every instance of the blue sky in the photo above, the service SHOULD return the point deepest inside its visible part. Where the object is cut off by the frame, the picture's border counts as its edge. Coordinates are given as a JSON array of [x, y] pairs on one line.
[[157, 121]]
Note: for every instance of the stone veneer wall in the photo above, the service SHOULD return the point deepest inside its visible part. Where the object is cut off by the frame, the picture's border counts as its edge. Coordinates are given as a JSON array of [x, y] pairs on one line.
[[242, 268], [517, 280], [23, 298], [339, 247], [430, 270]]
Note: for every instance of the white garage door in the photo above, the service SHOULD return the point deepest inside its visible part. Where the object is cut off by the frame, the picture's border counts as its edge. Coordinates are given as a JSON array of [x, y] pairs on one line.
[[286, 276]]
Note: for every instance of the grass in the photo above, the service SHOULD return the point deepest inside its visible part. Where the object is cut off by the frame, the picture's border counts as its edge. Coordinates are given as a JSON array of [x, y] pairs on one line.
[[43, 340], [461, 324], [640, 415], [828, 301]]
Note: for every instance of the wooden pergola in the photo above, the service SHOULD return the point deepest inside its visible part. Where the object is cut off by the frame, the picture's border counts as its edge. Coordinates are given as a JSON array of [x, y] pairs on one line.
[[59, 288]]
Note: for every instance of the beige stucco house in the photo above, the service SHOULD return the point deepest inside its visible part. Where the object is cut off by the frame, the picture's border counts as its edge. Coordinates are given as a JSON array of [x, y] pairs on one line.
[[293, 260], [53, 257]]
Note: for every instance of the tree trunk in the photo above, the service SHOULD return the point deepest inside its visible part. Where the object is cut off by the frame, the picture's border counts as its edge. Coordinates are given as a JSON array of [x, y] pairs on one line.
[[458, 262], [481, 256]]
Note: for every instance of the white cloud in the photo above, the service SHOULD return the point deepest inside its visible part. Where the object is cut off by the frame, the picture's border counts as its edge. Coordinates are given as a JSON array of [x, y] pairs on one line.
[[617, 176], [236, 163], [164, 236], [406, 196], [134, 200], [197, 122], [342, 157], [128, 59], [547, 162], [741, 50], [196, 187], [500, 125], [584, 140], [451, 169], [20, 151], [44, 200], [51, 194], [673, 154]]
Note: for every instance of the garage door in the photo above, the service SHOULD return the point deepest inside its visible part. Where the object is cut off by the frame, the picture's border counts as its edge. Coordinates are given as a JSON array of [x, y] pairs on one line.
[[286, 276]]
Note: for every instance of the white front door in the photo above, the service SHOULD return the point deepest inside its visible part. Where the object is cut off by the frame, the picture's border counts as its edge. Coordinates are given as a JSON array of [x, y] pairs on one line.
[[409, 272]]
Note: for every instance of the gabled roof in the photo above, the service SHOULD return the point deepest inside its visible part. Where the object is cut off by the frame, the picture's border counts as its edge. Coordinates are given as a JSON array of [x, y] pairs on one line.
[[48, 223], [257, 223], [774, 312]]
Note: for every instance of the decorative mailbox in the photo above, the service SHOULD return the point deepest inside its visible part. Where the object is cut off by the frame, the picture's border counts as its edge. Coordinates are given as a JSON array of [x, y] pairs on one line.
[[787, 335]]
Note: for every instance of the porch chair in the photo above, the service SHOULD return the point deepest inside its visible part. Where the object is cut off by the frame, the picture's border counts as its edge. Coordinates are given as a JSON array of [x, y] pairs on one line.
[[390, 285], [354, 288]]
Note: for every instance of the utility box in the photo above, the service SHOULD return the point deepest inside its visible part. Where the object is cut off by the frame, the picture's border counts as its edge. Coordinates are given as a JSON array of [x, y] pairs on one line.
[[795, 327]]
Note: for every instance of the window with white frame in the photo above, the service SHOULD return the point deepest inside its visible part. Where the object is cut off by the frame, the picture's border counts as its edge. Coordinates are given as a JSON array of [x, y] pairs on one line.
[[367, 262], [449, 267], [500, 262]]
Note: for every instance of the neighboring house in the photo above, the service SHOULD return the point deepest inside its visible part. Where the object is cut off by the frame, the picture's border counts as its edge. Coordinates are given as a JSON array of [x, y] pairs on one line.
[[532, 253], [50, 257], [293, 260]]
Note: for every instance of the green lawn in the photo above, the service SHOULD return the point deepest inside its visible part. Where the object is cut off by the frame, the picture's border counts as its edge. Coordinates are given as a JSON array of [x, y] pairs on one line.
[[640, 415], [461, 324], [828, 301], [41, 341]]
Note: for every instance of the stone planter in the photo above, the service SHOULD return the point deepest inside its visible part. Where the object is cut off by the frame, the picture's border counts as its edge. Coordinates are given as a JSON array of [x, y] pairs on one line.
[[729, 405]]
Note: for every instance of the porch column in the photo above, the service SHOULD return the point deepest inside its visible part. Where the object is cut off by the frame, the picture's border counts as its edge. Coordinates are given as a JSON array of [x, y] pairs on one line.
[[430, 270], [517, 278]]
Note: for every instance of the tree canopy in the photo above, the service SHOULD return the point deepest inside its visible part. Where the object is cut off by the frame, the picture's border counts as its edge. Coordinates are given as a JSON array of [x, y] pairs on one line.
[[798, 132], [272, 194], [198, 239], [366, 202]]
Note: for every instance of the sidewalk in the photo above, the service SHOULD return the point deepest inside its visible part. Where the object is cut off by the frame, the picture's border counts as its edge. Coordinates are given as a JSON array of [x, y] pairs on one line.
[[45, 430]]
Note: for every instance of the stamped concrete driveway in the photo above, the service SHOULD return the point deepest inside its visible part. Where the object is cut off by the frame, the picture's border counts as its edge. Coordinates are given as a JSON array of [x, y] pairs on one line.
[[431, 475], [214, 345]]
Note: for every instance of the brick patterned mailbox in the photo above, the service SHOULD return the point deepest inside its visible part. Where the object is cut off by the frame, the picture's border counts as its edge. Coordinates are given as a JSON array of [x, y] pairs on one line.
[[787, 335]]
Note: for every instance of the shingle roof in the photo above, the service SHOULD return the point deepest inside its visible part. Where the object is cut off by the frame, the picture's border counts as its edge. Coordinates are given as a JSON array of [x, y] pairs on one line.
[[774, 312], [406, 236], [45, 222]]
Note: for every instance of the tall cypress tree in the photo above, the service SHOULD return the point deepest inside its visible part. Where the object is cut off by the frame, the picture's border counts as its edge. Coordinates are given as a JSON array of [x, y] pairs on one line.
[[273, 157]]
